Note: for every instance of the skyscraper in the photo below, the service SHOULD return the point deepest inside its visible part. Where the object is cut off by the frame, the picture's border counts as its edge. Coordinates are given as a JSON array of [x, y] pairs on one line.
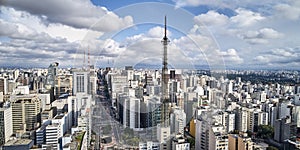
[[51, 77], [25, 112], [6, 129], [81, 80], [177, 120], [3, 85]]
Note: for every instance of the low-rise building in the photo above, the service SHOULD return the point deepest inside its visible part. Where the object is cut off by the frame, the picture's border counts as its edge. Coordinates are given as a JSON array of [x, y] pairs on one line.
[[18, 144]]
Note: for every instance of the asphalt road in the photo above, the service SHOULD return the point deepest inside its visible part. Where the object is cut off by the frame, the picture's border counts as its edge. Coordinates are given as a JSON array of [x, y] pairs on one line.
[[103, 116]]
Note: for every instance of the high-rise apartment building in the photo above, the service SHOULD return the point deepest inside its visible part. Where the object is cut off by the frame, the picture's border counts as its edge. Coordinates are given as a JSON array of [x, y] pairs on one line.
[[202, 134], [180, 143], [177, 120], [3, 85], [6, 129], [230, 122], [163, 137], [217, 137], [239, 142], [284, 129], [242, 120]]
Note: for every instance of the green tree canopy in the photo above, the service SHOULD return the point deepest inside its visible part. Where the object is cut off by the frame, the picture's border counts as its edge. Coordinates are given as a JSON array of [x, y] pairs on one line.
[[265, 131]]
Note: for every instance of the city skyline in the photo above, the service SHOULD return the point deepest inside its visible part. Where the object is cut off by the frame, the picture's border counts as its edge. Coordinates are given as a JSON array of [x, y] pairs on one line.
[[246, 34]]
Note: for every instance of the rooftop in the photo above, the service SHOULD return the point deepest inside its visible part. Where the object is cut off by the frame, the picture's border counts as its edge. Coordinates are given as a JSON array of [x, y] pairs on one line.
[[18, 142]]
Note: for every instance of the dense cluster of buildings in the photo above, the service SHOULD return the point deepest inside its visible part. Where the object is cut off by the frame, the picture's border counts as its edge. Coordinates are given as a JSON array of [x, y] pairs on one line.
[[217, 112], [46, 108], [172, 109]]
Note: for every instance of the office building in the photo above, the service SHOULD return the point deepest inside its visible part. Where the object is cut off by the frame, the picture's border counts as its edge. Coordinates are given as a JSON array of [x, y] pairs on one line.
[[81, 82], [25, 112], [64, 84], [40, 136], [130, 112], [55, 131], [52, 135], [51, 80]]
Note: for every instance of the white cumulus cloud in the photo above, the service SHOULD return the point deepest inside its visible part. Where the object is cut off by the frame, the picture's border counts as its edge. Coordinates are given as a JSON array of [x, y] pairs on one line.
[[75, 13], [288, 10], [261, 36], [211, 18], [231, 57], [246, 17]]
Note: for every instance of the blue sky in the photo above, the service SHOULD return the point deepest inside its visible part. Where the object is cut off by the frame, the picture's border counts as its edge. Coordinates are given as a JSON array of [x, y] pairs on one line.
[[242, 34]]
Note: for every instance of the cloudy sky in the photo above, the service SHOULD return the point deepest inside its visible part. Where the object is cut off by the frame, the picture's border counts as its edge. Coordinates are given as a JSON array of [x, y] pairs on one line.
[[243, 34]]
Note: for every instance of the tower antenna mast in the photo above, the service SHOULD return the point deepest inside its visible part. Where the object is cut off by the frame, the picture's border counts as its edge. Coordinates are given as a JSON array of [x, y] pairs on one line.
[[164, 84], [165, 28], [84, 60], [89, 65]]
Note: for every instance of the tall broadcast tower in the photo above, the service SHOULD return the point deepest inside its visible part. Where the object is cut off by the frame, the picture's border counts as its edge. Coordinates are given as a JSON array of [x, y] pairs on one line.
[[164, 84]]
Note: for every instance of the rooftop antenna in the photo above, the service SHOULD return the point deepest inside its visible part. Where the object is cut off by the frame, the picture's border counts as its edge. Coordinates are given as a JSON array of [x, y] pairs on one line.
[[84, 59], [165, 37], [89, 58]]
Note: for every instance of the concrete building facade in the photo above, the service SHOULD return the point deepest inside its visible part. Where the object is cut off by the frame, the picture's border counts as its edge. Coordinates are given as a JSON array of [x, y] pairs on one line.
[[6, 129]]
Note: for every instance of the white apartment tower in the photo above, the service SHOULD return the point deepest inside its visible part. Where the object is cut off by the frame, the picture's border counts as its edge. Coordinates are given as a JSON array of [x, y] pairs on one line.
[[217, 138], [202, 134], [149, 145], [6, 129], [177, 120], [180, 143], [230, 122], [163, 136], [242, 120]]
